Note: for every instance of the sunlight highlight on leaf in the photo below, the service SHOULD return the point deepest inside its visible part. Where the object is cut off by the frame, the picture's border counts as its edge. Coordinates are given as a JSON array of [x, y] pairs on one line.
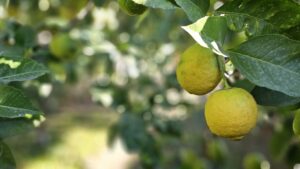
[[194, 30], [12, 64]]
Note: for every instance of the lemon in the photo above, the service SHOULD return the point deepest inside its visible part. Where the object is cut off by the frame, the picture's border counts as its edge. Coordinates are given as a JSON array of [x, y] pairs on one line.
[[231, 113], [132, 8], [198, 70]]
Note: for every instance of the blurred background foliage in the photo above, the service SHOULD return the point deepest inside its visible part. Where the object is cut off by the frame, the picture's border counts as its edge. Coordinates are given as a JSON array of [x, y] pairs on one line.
[[113, 77]]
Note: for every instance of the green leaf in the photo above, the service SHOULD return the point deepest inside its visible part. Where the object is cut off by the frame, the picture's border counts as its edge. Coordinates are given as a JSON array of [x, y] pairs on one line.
[[163, 4], [26, 70], [271, 61], [252, 26], [13, 104], [209, 32], [12, 127], [13, 66], [283, 14], [7, 160], [195, 29], [267, 97], [214, 29], [294, 32], [195, 9], [296, 123], [25, 36], [11, 53], [132, 130]]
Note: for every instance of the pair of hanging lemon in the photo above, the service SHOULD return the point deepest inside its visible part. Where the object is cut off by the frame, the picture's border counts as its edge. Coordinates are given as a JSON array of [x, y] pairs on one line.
[[229, 113]]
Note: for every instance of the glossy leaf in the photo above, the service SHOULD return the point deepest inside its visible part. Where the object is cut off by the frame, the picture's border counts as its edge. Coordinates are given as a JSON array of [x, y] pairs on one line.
[[283, 14], [271, 61], [13, 104], [7, 160], [252, 26], [24, 70], [209, 32], [215, 28], [195, 9], [163, 4], [267, 97], [11, 53]]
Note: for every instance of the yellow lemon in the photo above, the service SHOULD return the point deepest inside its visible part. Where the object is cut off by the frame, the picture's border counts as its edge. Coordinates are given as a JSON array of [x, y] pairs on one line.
[[198, 70], [231, 113], [132, 8]]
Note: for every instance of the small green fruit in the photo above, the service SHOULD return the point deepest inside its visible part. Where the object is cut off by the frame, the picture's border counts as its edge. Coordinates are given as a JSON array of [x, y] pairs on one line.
[[253, 161], [62, 46]]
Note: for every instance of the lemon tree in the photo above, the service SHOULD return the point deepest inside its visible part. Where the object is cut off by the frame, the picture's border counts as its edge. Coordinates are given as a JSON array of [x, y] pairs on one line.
[[258, 43], [245, 55]]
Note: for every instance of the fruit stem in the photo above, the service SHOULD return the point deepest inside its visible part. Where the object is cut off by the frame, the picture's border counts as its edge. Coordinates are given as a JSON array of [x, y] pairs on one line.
[[221, 62]]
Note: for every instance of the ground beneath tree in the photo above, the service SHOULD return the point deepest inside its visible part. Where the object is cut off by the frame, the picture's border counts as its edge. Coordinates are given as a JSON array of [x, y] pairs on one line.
[[75, 138]]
